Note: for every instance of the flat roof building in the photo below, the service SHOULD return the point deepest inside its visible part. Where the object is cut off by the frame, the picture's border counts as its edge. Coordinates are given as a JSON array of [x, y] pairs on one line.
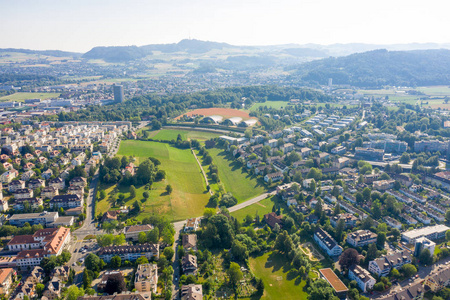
[[432, 233], [339, 287]]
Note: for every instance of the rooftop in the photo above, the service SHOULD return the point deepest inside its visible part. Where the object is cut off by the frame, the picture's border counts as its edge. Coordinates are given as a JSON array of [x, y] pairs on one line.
[[333, 280]]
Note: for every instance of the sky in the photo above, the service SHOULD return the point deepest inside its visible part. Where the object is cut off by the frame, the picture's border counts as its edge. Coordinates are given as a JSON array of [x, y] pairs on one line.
[[83, 24]]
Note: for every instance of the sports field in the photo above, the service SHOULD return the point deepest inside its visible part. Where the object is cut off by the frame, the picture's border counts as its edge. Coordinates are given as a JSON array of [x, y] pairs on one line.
[[189, 195], [241, 184], [20, 97], [280, 282], [172, 134]]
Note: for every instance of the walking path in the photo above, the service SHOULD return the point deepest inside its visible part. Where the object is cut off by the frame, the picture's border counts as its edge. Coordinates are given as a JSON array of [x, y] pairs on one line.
[[203, 171]]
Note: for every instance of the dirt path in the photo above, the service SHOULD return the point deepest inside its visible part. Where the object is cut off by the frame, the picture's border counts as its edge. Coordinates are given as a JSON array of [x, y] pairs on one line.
[[203, 171]]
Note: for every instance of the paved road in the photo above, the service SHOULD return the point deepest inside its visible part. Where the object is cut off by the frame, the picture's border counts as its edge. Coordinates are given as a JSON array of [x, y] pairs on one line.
[[89, 225]]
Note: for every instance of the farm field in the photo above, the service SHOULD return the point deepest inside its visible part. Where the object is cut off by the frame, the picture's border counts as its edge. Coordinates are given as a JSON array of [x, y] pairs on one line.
[[171, 134], [261, 208], [21, 96], [224, 112], [241, 184], [189, 195], [272, 104], [279, 281]]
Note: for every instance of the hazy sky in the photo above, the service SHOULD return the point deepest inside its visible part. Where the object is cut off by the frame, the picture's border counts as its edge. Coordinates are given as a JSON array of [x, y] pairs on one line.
[[82, 24]]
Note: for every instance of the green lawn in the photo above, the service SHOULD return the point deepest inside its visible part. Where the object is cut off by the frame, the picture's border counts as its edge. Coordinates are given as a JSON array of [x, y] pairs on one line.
[[172, 134], [273, 104], [279, 281], [241, 184], [261, 208], [189, 195], [20, 97]]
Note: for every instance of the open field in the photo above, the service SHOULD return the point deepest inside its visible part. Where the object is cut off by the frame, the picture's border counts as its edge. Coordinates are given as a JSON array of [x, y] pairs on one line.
[[171, 134], [20, 97], [189, 195], [241, 184], [435, 90], [224, 112], [280, 282], [261, 208], [272, 104]]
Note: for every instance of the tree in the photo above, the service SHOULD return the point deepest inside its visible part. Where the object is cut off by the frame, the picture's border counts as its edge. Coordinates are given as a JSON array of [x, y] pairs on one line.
[[425, 257], [348, 258], [379, 286], [116, 262], [234, 275], [146, 195], [115, 284], [40, 289], [168, 253], [48, 264], [73, 292], [132, 191], [94, 263], [371, 252], [339, 230], [142, 238], [153, 236], [381, 239], [169, 189], [321, 290], [409, 270], [142, 260], [119, 240], [405, 158], [239, 250]]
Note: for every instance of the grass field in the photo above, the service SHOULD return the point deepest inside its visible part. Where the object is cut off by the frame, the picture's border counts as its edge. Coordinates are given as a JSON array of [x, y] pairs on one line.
[[20, 97], [171, 134], [273, 104], [261, 208], [189, 195], [241, 184], [279, 281]]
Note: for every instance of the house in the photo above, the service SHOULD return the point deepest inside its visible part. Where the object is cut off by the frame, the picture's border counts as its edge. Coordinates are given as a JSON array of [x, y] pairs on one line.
[[393, 222], [307, 183], [341, 162], [438, 281], [362, 277], [49, 192], [361, 238], [53, 290], [191, 224], [43, 243], [382, 266], [61, 272], [272, 218], [277, 176], [271, 143], [327, 243], [47, 174], [57, 183], [132, 232], [105, 276], [4, 206], [146, 278], [33, 203], [123, 296], [9, 176], [27, 175], [43, 218], [66, 201], [129, 252], [288, 147], [383, 185], [16, 185], [6, 280], [189, 241], [110, 216], [78, 181], [414, 292], [189, 264], [23, 193], [36, 184], [192, 292], [305, 152], [349, 220], [260, 170], [76, 190]]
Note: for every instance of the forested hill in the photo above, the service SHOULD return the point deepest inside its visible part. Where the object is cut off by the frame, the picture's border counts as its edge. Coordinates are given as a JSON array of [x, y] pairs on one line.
[[127, 53], [381, 67], [55, 53]]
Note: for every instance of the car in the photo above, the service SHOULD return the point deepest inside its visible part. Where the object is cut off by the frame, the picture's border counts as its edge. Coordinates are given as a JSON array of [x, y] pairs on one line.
[[417, 275]]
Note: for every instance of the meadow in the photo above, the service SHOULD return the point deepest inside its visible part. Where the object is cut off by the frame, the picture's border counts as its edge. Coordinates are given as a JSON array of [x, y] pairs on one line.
[[22, 96], [280, 282], [189, 195], [172, 134], [272, 104], [261, 208], [241, 184]]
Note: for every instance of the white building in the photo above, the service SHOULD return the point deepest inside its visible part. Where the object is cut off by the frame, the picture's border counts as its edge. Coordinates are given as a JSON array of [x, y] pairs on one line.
[[362, 277]]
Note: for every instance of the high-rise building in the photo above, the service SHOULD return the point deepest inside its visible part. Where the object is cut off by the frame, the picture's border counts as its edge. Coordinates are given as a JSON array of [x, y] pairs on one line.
[[118, 93]]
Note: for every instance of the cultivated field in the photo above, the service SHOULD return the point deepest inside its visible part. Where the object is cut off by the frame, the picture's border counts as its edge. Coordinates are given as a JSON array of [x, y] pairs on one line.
[[172, 134], [280, 282], [224, 112], [241, 184], [189, 195], [20, 97], [272, 104]]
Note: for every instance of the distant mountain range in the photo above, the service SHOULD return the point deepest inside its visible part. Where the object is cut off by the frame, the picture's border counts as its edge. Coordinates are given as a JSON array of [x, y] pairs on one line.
[[54, 53]]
